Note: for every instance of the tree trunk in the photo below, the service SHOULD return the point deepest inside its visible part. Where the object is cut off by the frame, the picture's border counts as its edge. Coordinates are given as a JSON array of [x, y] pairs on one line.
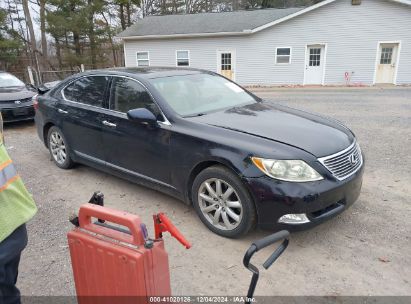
[[58, 52], [110, 38], [76, 35], [128, 10], [33, 46], [43, 28], [91, 35], [29, 23], [122, 19]]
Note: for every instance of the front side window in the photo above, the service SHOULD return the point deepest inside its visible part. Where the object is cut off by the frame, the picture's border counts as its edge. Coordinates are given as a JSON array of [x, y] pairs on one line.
[[283, 55], [183, 58], [87, 90], [143, 59], [127, 94], [196, 94]]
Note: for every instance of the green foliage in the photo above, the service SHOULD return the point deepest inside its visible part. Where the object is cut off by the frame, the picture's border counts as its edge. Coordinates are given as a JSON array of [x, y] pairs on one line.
[[10, 45], [79, 29]]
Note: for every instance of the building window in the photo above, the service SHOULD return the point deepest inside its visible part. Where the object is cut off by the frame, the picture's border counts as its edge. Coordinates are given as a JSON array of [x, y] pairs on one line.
[[386, 55], [283, 55], [226, 61], [143, 59], [315, 57], [183, 58]]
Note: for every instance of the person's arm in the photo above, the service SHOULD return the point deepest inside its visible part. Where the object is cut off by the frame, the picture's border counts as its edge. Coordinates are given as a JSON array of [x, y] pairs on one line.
[[1, 130]]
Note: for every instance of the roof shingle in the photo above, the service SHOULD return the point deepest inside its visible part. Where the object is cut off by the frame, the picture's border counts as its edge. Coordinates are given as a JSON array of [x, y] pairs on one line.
[[232, 22]]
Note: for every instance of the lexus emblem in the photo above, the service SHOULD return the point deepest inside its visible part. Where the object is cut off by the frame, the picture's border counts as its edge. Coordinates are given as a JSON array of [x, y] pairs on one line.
[[17, 101], [353, 159]]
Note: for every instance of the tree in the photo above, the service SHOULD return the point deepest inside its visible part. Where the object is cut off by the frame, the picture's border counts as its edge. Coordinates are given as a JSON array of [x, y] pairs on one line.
[[32, 36], [42, 4], [10, 45]]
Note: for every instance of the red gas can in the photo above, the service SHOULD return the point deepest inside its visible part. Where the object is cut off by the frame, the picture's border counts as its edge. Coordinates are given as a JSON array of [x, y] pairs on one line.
[[112, 262]]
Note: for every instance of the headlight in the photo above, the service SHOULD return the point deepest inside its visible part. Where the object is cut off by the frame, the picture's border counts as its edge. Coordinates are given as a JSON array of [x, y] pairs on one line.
[[287, 170]]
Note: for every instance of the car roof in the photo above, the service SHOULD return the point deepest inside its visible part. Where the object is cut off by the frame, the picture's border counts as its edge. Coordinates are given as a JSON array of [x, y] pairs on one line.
[[147, 72]]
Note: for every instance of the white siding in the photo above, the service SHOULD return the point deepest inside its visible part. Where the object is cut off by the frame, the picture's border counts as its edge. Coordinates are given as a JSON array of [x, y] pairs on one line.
[[351, 33]]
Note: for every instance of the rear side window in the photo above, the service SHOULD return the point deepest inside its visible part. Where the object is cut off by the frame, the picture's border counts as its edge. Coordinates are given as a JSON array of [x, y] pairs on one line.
[[127, 94], [87, 90]]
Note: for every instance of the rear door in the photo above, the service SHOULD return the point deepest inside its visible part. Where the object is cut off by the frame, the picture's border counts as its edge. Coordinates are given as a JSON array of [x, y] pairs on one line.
[[133, 148], [82, 117]]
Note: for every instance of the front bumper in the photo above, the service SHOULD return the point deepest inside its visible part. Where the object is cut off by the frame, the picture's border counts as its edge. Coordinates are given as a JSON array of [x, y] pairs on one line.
[[18, 113], [320, 200]]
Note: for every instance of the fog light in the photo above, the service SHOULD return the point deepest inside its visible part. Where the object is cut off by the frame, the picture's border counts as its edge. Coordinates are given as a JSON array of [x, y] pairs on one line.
[[294, 219]]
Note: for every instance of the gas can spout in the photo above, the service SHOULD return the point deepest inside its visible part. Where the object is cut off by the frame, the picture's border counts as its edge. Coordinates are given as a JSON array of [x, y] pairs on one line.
[[163, 224]]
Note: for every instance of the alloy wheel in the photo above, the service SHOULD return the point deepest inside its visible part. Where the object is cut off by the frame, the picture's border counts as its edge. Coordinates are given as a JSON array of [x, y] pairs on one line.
[[220, 204], [57, 147]]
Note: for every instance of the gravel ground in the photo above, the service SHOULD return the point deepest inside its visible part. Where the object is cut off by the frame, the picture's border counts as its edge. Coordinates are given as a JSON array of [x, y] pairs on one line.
[[364, 251]]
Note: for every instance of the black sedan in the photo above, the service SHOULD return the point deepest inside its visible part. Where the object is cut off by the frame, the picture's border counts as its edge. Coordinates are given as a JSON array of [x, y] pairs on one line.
[[15, 99], [200, 137]]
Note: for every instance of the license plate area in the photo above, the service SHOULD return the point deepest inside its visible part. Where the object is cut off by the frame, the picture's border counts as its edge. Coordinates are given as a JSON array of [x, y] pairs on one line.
[[21, 112]]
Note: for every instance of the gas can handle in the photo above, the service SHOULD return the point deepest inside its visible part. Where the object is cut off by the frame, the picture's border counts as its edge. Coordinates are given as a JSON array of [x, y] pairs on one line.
[[163, 224], [131, 221], [258, 245]]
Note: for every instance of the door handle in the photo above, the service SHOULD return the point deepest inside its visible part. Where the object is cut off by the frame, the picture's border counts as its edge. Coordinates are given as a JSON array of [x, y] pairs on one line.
[[109, 124], [62, 111]]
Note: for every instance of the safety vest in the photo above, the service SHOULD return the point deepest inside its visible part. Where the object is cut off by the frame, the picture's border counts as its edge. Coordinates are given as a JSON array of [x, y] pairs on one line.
[[16, 204]]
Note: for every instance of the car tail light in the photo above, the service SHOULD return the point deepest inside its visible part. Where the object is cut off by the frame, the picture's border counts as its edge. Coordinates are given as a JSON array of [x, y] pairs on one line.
[[35, 102]]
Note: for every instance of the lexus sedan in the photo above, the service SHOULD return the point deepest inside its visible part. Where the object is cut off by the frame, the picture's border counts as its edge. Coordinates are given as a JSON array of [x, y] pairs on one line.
[[15, 98], [239, 160]]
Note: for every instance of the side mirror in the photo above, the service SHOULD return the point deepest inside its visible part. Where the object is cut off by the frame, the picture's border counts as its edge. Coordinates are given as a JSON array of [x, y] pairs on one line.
[[31, 86], [142, 116], [42, 89]]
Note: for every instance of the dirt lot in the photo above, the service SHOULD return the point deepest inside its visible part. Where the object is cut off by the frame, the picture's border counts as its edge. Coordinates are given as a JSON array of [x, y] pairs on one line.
[[365, 251]]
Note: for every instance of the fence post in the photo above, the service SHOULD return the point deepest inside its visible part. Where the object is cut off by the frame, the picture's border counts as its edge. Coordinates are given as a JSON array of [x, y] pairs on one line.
[[30, 71], [82, 67]]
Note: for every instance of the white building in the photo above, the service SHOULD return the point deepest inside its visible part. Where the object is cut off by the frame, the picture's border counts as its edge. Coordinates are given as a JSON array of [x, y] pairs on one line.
[[331, 43]]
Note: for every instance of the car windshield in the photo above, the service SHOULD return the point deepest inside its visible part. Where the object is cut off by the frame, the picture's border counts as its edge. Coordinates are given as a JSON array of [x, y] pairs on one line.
[[8, 80], [198, 94]]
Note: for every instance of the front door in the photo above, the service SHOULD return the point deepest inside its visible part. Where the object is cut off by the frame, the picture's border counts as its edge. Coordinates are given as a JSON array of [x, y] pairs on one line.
[[386, 62], [135, 149], [314, 64], [226, 63]]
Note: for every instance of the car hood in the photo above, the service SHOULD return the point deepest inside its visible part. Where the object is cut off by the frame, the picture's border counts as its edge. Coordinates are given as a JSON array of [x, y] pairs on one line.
[[312, 133], [15, 93]]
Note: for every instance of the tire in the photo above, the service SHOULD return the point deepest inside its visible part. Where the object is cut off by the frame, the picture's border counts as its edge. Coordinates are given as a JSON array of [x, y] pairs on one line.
[[236, 204], [59, 150]]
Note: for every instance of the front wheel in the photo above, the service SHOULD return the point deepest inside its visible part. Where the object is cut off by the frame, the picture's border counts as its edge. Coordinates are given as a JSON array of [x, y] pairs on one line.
[[223, 203], [58, 148]]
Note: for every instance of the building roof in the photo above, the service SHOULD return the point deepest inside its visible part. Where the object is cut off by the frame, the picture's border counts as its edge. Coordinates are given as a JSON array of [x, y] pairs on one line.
[[238, 21], [216, 24]]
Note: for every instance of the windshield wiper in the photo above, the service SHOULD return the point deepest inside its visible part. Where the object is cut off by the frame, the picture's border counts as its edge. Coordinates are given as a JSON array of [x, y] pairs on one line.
[[194, 115]]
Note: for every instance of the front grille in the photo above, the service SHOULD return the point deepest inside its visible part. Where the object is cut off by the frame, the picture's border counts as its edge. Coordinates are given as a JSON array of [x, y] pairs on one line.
[[345, 163], [19, 101]]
